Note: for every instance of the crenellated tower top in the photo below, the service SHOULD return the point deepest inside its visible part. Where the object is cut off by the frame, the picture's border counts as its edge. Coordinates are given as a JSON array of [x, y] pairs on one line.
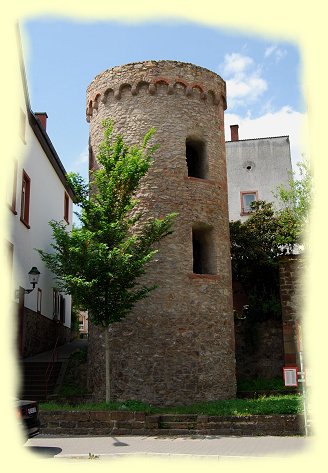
[[171, 77]]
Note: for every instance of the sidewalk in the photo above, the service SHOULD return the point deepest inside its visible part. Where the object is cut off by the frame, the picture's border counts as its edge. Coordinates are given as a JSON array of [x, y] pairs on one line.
[[212, 447]]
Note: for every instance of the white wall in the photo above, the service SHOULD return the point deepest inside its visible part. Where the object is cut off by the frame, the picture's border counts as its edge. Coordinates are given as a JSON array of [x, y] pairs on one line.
[[270, 165], [46, 203]]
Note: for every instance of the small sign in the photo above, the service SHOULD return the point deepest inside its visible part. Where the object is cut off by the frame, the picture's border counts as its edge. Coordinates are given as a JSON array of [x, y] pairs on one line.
[[290, 376]]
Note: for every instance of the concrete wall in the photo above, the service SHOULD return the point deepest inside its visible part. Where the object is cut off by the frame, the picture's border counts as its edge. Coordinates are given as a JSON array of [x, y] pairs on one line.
[[46, 203], [256, 165], [177, 346]]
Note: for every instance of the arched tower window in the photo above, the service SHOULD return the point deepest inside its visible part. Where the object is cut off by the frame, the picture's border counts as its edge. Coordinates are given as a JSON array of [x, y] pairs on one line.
[[203, 248], [196, 158]]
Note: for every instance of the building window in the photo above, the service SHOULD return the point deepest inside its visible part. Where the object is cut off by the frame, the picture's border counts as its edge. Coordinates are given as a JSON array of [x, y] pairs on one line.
[[203, 248], [66, 207], [59, 306], [39, 301], [196, 159], [246, 198], [55, 304], [62, 308], [25, 199], [10, 262]]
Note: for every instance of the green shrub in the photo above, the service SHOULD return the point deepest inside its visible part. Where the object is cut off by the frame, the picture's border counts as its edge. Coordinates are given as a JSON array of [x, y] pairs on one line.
[[261, 384]]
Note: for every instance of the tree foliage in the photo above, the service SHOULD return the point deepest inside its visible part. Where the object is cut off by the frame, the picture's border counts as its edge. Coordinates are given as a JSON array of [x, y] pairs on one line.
[[254, 253], [294, 207], [100, 262]]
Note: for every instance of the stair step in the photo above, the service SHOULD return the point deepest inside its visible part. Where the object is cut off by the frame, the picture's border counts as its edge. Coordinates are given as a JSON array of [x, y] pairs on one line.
[[33, 375]]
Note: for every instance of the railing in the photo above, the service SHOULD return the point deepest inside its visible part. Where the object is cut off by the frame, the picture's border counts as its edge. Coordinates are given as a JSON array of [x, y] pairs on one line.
[[50, 367]]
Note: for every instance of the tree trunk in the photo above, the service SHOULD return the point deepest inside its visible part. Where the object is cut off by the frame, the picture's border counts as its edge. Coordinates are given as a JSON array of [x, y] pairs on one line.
[[107, 365]]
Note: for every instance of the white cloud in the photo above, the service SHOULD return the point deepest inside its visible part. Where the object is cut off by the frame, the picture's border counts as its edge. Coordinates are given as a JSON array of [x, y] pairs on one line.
[[235, 63], [242, 90], [269, 50], [285, 121], [273, 50], [244, 81]]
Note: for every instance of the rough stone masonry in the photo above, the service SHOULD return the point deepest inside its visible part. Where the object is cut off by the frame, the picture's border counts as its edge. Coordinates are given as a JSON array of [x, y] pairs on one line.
[[177, 345]]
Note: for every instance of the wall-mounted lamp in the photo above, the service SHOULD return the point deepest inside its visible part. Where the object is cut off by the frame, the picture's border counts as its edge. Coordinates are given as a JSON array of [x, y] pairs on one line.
[[33, 276]]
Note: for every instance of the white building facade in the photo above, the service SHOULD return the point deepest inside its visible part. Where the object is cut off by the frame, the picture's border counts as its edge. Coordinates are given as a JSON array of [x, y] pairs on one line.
[[255, 168], [37, 192]]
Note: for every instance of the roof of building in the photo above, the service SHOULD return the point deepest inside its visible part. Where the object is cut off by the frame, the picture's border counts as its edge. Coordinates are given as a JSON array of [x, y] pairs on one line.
[[253, 139], [50, 151]]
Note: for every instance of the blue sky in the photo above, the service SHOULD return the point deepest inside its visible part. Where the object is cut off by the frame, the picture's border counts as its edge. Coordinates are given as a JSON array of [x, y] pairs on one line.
[[264, 90]]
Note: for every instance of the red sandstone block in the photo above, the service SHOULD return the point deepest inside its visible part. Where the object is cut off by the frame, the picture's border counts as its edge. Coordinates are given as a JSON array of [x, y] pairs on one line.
[[121, 415], [102, 416], [139, 416]]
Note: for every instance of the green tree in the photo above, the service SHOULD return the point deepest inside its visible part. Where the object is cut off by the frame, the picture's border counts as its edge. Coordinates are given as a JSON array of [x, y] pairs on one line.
[[254, 258], [295, 204], [100, 263], [267, 234]]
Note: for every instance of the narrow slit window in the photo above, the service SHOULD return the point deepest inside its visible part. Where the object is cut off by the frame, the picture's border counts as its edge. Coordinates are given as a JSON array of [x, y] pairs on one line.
[[62, 308], [55, 304], [196, 158], [39, 301], [204, 255], [25, 199]]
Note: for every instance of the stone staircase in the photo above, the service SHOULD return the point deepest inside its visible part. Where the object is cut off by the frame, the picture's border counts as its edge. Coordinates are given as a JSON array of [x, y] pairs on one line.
[[33, 382]]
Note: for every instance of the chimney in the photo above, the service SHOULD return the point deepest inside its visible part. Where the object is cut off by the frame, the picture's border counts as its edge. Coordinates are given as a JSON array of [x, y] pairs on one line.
[[42, 117], [234, 132]]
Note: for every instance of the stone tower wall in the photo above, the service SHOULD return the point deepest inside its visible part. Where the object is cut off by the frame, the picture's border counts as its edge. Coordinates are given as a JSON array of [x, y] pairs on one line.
[[177, 345]]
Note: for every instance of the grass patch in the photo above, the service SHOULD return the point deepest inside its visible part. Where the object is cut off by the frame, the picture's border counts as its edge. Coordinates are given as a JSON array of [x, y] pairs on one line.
[[266, 405]]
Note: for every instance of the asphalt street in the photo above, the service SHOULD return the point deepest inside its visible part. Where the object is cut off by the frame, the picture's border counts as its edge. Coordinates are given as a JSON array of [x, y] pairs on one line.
[[209, 446]]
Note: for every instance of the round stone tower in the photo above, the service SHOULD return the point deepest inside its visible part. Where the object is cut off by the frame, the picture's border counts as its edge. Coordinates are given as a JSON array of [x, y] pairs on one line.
[[177, 345]]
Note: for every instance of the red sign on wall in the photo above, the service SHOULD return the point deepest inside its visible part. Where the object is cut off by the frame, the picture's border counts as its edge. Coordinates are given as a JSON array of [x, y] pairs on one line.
[[290, 376]]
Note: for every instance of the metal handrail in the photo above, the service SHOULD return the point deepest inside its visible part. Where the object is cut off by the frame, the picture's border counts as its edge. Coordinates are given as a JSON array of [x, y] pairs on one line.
[[50, 367]]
